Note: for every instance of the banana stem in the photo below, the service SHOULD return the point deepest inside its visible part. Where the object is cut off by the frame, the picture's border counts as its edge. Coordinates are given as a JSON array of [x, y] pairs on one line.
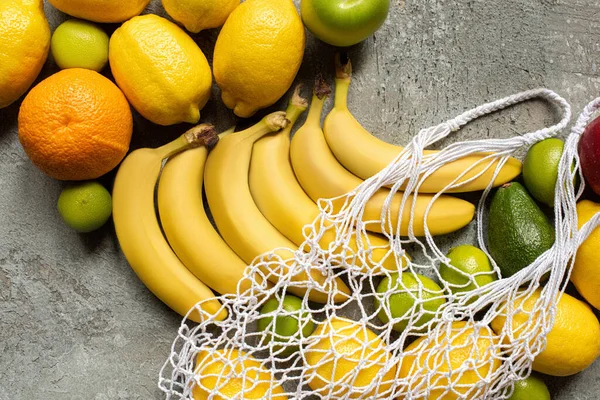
[[200, 135], [271, 123], [315, 110], [297, 106], [343, 76]]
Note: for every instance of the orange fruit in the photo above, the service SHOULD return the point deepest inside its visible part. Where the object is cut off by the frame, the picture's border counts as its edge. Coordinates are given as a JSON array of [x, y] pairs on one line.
[[75, 125]]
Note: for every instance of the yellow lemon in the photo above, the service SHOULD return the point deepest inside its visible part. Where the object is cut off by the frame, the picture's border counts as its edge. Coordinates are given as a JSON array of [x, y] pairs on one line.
[[197, 15], [258, 54], [574, 341], [449, 381], [338, 361], [234, 374], [586, 271], [101, 10], [24, 44], [163, 73]]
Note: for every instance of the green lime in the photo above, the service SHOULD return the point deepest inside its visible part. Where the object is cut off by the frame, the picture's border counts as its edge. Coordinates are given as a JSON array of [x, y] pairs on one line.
[[532, 388], [540, 169], [472, 269], [85, 206], [286, 323], [80, 44], [403, 302]]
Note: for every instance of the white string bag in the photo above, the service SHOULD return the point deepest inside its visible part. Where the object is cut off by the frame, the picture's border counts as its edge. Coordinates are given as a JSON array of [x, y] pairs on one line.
[[491, 366]]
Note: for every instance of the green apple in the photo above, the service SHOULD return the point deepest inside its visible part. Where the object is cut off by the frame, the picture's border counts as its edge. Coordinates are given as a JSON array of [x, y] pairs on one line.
[[344, 22]]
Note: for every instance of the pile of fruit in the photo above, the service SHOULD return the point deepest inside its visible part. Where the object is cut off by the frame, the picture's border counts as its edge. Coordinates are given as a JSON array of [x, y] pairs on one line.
[[263, 189]]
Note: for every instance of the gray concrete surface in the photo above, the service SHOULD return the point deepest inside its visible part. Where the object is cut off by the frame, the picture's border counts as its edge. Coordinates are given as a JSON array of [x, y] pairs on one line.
[[76, 323]]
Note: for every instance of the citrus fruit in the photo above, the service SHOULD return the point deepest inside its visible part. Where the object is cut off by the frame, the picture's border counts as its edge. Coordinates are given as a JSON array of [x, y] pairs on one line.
[[540, 169], [75, 125], [235, 374], [80, 44], [85, 206], [161, 70], [101, 10], [532, 388], [289, 323], [412, 293], [337, 360], [469, 269], [455, 373], [24, 44], [586, 270], [258, 54], [197, 15], [574, 341]]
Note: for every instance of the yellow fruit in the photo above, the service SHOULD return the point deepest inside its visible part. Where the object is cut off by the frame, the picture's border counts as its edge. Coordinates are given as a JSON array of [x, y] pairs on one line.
[[161, 70], [479, 354], [101, 10], [24, 44], [573, 343], [586, 271], [197, 15], [258, 54], [354, 345], [234, 377]]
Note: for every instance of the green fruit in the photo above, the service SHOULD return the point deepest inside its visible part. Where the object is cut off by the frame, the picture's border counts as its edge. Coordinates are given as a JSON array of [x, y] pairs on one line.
[[518, 232], [540, 169], [402, 302], [286, 326], [80, 44], [532, 388], [472, 269], [86, 206]]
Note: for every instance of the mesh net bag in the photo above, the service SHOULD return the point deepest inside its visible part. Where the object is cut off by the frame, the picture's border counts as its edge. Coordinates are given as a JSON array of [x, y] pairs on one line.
[[450, 350]]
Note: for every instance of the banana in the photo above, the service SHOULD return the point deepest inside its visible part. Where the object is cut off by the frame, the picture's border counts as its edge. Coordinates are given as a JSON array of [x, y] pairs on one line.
[[322, 176], [365, 155], [139, 234], [284, 203], [239, 220]]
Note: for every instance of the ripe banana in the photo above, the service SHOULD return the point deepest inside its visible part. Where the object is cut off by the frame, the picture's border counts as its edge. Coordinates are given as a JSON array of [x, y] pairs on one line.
[[239, 220], [284, 203], [139, 234], [322, 176], [365, 155]]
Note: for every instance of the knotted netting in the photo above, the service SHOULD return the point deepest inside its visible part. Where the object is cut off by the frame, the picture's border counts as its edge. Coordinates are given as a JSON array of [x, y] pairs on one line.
[[448, 352]]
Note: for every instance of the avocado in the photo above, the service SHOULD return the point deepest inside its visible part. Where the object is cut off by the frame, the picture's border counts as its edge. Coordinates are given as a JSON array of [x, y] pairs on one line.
[[518, 231]]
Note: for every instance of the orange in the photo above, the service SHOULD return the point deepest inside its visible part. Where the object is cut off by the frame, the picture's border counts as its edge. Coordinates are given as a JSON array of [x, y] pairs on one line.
[[75, 125]]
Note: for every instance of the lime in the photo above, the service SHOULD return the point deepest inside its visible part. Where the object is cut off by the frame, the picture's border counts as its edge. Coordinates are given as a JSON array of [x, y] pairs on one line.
[[532, 388], [540, 169], [411, 293], [80, 44], [86, 206], [285, 323], [472, 269]]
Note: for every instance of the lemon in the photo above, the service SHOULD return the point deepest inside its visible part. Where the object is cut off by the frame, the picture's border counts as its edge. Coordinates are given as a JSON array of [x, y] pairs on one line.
[[197, 15], [532, 388], [346, 372], [101, 10], [80, 44], [451, 382], [258, 54], [24, 44], [163, 73], [574, 341], [586, 270], [469, 269], [235, 375], [413, 293], [540, 169], [86, 206]]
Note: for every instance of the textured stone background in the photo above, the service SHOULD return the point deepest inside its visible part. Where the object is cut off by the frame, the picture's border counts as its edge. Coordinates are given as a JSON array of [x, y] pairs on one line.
[[76, 323]]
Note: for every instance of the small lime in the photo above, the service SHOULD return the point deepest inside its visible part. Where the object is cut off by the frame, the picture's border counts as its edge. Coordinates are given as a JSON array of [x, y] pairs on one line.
[[532, 388], [411, 293], [472, 269], [287, 322], [86, 206], [80, 44], [540, 169]]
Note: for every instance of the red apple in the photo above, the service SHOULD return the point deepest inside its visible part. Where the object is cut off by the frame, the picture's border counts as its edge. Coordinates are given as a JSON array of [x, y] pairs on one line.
[[589, 154]]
